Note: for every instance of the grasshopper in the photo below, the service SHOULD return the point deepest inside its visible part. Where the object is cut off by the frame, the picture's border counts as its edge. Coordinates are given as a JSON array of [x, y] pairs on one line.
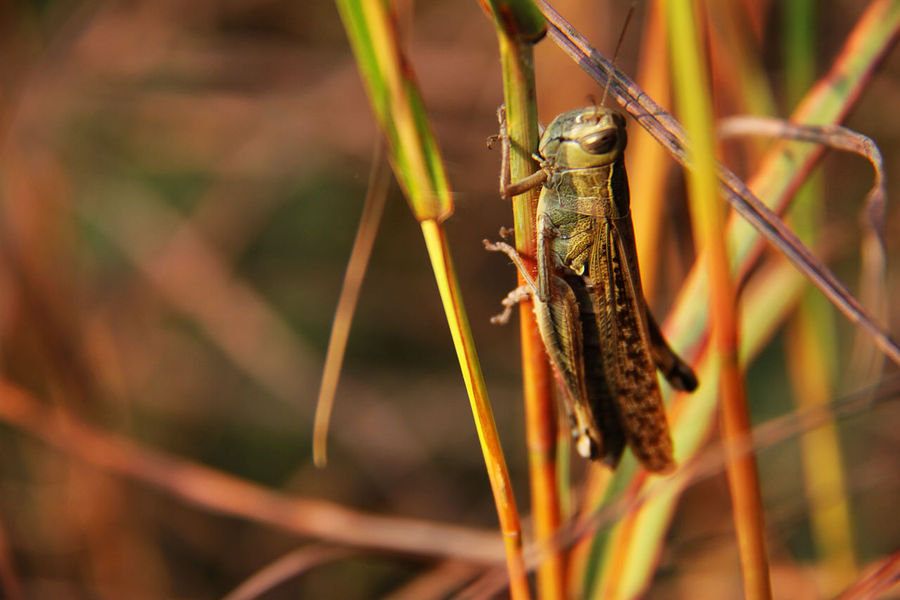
[[599, 334]]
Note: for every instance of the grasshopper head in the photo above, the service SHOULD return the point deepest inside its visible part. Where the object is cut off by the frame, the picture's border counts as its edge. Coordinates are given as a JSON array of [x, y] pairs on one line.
[[586, 137]]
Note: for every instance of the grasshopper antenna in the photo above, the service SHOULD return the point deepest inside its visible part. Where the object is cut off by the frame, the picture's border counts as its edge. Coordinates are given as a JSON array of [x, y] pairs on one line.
[[611, 74], [593, 100]]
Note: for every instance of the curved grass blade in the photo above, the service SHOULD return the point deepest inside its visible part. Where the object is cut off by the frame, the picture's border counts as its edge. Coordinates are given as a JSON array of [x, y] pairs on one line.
[[220, 493], [868, 364], [373, 209]]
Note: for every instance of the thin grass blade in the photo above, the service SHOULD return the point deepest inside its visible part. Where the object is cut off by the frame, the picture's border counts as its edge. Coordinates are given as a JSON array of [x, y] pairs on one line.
[[708, 224], [373, 208]]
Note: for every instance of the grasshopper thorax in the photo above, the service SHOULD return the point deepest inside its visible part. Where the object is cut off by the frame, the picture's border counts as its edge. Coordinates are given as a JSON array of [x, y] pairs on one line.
[[587, 137]]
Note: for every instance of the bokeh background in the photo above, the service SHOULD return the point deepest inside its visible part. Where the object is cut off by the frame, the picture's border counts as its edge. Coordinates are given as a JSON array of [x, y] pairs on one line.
[[181, 183]]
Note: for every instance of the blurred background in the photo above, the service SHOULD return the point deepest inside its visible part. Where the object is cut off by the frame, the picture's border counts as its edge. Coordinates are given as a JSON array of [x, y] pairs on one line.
[[181, 184]]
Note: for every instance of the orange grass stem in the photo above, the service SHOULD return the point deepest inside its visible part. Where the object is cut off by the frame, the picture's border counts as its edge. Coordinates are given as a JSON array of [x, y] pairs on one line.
[[648, 192], [708, 222], [541, 429]]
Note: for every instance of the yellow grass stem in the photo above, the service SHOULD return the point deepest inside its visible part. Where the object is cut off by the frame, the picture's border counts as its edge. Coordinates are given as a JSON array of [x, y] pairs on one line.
[[771, 292], [438, 251], [808, 365], [693, 95]]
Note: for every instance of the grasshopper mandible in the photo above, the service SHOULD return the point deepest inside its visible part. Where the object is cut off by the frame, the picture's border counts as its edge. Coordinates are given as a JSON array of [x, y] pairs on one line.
[[598, 332]]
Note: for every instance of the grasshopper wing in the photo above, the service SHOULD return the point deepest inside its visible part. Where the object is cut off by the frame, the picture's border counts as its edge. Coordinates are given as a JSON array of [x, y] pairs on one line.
[[628, 362]]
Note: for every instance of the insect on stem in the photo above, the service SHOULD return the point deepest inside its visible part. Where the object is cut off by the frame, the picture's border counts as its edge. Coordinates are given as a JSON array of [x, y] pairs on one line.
[[600, 337]]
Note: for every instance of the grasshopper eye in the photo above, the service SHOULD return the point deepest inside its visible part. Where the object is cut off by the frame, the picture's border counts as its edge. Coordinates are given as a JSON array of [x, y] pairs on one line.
[[600, 142]]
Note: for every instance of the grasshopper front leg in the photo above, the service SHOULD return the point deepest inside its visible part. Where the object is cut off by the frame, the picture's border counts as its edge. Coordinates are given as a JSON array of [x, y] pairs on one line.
[[510, 189]]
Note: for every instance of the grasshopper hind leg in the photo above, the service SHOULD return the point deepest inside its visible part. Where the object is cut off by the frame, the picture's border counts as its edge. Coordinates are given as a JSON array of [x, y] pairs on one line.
[[677, 372], [516, 296], [568, 329], [611, 443]]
